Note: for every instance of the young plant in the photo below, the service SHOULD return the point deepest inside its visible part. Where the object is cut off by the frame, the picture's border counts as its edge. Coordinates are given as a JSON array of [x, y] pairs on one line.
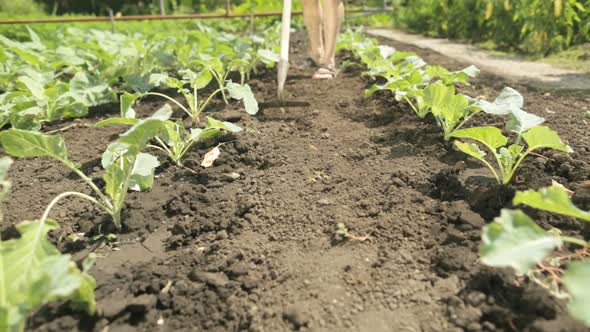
[[5, 184], [515, 240], [174, 140], [511, 102], [450, 109], [508, 157], [126, 167], [33, 273], [452, 77], [195, 81]]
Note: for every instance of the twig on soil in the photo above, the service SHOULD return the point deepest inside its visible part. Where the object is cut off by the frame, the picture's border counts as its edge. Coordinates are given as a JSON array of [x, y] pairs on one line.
[[73, 125]]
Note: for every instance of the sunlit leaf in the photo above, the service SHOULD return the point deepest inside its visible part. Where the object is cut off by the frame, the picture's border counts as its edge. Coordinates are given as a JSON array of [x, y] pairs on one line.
[[553, 199], [515, 240], [576, 280], [23, 143]]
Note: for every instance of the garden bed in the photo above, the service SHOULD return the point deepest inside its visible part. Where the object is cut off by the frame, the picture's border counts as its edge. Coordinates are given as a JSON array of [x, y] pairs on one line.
[[262, 252]]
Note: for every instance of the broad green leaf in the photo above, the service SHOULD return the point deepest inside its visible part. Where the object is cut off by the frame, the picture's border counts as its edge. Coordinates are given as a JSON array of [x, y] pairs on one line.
[[489, 136], [436, 71], [114, 178], [385, 51], [113, 152], [522, 121], [471, 149], [438, 96], [5, 185], [5, 163], [172, 133], [138, 136], [32, 86], [515, 240], [28, 119], [23, 144], [508, 101], [197, 80], [471, 71], [89, 90], [543, 137], [127, 100], [142, 175], [244, 93], [33, 272], [227, 126], [576, 280], [268, 57], [553, 199], [111, 121], [163, 114]]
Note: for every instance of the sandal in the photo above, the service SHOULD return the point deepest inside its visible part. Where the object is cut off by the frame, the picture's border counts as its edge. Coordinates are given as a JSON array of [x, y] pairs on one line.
[[325, 72]]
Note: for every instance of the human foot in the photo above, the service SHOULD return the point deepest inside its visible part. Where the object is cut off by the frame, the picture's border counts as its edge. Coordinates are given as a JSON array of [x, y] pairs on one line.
[[325, 72]]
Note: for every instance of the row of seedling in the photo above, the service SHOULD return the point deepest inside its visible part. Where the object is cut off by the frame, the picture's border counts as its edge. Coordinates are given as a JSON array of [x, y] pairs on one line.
[[513, 239]]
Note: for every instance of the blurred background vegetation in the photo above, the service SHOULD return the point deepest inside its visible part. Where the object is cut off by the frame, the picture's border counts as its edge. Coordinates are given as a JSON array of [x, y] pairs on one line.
[[531, 27]]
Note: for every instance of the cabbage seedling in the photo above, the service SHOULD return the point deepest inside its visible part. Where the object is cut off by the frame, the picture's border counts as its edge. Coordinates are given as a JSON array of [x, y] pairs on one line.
[[126, 167], [451, 110], [174, 140], [515, 240], [196, 81], [508, 157]]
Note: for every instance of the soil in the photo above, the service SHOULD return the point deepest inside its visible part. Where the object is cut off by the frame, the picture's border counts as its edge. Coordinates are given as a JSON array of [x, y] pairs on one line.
[[260, 252]]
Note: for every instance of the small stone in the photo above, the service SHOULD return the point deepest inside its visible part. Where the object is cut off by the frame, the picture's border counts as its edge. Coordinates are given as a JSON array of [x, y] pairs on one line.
[[142, 303], [447, 287], [295, 315], [475, 298], [398, 182], [231, 177], [315, 112], [212, 279], [472, 218], [324, 202], [239, 269], [112, 306], [474, 327], [230, 116], [459, 167], [325, 135], [221, 235]]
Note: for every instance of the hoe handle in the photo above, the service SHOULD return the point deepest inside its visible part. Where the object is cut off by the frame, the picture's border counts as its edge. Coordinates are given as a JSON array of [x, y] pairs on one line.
[[283, 66]]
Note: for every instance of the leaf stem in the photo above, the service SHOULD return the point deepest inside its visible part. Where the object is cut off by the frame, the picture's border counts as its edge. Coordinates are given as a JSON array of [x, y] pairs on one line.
[[90, 183], [209, 99], [575, 241], [171, 99], [66, 194], [516, 166]]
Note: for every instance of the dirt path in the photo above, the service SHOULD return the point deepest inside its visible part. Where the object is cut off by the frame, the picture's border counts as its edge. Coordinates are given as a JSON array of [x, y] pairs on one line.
[[209, 252]]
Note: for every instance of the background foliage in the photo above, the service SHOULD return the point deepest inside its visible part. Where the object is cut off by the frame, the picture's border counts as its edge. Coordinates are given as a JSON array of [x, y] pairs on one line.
[[527, 26]]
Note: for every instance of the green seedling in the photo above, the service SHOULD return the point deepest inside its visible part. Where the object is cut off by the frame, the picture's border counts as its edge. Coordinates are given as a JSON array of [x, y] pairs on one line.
[[515, 240], [174, 140], [126, 166], [195, 81], [450, 109], [33, 272], [508, 157], [5, 184]]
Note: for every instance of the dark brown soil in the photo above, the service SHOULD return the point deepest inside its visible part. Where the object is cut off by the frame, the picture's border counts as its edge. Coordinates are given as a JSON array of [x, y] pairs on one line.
[[206, 252]]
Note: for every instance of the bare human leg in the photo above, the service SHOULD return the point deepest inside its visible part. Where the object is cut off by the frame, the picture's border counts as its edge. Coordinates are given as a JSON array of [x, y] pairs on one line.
[[333, 18], [312, 17]]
